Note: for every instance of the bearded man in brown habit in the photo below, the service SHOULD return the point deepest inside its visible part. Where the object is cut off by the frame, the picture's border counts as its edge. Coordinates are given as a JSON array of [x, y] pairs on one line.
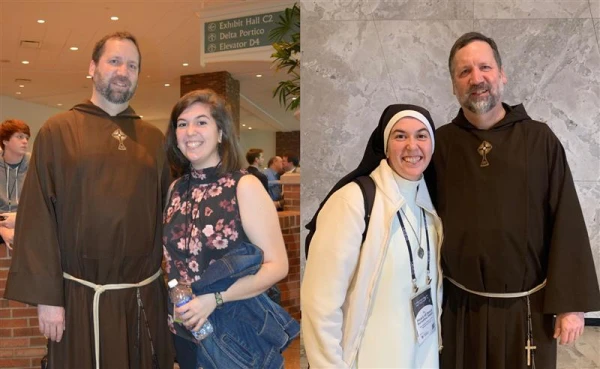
[[516, 251], [88, 248]]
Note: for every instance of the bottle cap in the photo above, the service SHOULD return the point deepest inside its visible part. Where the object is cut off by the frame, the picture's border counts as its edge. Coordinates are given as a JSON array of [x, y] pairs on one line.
[[173, 283]]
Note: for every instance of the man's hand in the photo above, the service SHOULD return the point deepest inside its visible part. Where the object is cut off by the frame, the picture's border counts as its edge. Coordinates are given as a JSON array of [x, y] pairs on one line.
[[52, 321], [7, 235], [9, 222], [569, 326]]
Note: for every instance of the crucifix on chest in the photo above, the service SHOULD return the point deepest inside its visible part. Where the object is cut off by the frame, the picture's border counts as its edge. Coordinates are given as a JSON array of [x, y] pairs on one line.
[[483, 150], [120, 136]]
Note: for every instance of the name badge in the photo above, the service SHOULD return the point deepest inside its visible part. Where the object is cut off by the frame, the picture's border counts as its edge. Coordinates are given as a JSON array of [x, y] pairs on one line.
[[424, 315]]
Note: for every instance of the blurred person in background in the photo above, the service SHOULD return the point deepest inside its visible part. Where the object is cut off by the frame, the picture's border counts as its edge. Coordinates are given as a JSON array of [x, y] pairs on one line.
[[14, 139]]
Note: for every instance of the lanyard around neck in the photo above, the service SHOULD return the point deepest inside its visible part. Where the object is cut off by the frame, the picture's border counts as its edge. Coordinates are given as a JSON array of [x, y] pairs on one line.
[[9, 191], [410, 255]]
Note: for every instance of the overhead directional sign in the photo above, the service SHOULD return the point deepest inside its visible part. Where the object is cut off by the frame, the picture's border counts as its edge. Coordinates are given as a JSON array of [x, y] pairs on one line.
[[239, 33]]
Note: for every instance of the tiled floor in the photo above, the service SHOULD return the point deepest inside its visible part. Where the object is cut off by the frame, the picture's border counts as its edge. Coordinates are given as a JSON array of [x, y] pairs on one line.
[[291, 356], [584, 354]]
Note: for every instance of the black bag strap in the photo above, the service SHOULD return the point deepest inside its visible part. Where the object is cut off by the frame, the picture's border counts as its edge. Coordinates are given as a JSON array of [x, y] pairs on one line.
[[367, 187]]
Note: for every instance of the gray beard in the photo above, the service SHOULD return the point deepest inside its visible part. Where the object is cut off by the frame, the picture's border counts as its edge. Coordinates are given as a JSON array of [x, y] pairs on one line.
[[484, 106], [115, 97], [481, 106]]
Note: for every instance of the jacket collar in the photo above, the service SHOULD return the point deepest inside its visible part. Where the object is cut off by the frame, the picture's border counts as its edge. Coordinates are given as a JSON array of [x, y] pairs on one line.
[[383, 176]]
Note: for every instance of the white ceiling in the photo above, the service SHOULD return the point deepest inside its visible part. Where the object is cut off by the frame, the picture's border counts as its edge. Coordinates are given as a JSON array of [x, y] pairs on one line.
[[168, 34]]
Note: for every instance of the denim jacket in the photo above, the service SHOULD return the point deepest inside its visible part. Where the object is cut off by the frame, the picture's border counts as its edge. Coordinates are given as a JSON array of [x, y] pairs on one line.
[[248, 333]]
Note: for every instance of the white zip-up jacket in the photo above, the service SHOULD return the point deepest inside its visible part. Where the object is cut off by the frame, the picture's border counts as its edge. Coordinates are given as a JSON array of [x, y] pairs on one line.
[[341, 277]]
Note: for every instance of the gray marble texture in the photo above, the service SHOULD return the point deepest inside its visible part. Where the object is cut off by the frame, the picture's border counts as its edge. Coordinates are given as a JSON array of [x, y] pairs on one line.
[[589, 194], [595, 8], [531, 9], [360, 56]]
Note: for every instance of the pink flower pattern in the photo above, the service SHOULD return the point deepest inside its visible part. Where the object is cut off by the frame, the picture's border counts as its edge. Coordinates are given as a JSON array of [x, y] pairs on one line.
[[201, 223]]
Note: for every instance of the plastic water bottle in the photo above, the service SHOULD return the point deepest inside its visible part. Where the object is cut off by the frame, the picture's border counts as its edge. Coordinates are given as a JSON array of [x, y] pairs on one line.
[[181, 295]]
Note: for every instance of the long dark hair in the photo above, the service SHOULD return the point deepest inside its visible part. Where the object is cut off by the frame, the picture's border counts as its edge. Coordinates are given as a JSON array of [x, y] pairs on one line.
[[229, 148]]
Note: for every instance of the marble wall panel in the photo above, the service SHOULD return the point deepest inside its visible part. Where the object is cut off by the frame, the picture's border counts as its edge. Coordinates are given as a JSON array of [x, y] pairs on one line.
[[328, 10], [389, 9], [589, 197], [420, 10], [348, 88], [595, 8], [531, 9]]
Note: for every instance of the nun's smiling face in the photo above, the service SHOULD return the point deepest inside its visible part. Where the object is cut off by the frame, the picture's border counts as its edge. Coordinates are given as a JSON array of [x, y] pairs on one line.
[[409, 148]]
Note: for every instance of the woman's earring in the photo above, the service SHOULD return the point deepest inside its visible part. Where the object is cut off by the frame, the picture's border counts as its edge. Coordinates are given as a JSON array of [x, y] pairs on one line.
[[220, 137]]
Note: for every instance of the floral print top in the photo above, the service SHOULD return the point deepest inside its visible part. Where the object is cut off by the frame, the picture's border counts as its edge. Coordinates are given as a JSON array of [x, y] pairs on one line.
[[200, 224]]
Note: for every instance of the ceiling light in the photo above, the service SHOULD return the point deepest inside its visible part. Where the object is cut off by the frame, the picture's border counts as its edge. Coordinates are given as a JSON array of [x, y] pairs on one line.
[[243, 125], [259, 75], [167, 84], [185, 64], [41, 21], [294, 98], [141, 116], [18, 92], [25, 62], [21, 86], [59, 104], [88, 76], [114, 18], [249, 127], [73, 48]]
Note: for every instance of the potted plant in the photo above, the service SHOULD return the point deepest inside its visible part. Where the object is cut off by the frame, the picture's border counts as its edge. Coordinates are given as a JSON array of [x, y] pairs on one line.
[[286, 42]]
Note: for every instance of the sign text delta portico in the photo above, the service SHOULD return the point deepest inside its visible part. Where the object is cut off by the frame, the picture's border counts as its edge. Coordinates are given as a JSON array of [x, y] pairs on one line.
[[239, 33]]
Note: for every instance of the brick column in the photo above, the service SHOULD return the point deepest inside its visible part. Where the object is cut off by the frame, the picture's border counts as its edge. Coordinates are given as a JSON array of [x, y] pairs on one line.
[[289, 220], [222, 83], [291, 191], [288, 143], [21, 344]]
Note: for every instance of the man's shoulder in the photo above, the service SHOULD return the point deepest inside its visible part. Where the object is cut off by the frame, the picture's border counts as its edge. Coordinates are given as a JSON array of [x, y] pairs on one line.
[[446, 130], [62, 118], [59, 121], [260, 174], [149, 127], [269, 172]]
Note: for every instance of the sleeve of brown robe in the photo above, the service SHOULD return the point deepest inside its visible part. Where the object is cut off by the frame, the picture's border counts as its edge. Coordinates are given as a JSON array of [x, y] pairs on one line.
[[35, 275], [572, 280]]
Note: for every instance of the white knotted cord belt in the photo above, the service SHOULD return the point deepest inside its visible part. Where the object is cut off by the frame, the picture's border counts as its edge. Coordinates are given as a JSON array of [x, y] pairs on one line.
[[512, 295], [100, 289]]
